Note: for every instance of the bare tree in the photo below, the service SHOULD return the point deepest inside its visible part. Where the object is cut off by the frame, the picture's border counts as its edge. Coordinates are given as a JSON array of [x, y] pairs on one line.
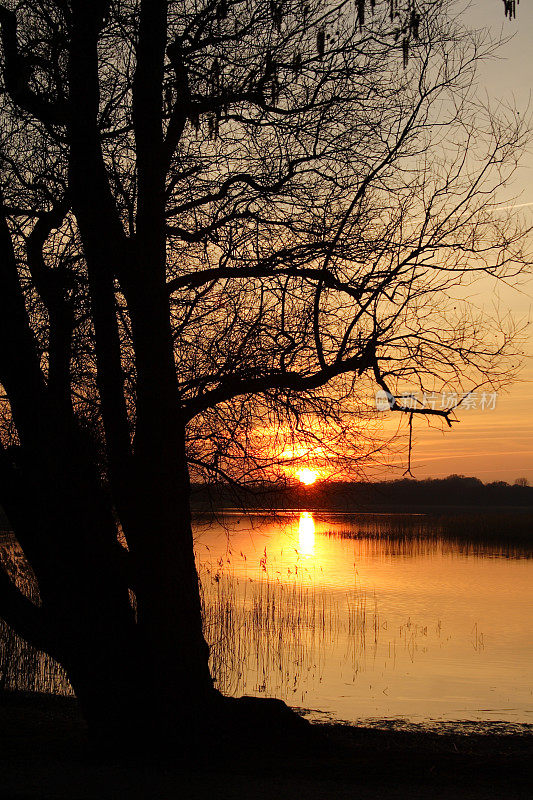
[[217, 215]]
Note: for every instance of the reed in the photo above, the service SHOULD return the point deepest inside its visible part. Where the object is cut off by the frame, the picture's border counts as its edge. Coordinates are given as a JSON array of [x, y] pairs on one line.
[[266, 634], [271, 632], [501, 534], [21, 666]]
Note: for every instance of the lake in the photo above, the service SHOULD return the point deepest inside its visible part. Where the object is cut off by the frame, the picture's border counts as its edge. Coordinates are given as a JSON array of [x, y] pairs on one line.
[[355, 617], [359, 617]]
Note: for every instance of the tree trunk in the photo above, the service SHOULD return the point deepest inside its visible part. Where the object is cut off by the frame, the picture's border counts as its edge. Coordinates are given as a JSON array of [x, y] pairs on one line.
[[143, 678], [149, 481], [167, 591], [142, 684]]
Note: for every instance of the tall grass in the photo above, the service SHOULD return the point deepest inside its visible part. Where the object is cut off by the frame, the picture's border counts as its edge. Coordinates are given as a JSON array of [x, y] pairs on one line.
[[269, 635], [493, 534], [21, 666], [265, 634]]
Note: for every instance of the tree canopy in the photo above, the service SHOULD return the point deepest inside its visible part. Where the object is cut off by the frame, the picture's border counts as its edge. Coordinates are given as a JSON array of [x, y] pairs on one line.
[[330, 179]]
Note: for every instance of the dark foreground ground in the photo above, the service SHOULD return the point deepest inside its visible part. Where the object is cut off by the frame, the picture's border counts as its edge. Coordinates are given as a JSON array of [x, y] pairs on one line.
[[43, 754]]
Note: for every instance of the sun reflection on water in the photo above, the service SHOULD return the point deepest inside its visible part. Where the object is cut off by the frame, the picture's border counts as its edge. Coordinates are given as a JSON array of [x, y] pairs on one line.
[[306, 534]]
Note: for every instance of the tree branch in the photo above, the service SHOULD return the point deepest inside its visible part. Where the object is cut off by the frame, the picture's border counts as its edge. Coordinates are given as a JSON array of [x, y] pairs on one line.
[[242, 178], [50, 283], [104, 241], [236, 385], [16, 76], [20, 371], [394, 405], [27, 620], [267, 269]]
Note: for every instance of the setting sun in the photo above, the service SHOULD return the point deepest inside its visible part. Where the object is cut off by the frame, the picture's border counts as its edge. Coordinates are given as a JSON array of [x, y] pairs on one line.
[[307, 476]]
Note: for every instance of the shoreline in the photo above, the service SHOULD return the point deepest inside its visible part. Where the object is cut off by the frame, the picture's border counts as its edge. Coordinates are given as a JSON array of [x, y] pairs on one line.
[[44, 753]]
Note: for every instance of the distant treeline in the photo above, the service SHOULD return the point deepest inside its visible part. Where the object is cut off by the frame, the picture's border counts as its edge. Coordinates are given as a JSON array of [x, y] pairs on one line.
[[405, 494]]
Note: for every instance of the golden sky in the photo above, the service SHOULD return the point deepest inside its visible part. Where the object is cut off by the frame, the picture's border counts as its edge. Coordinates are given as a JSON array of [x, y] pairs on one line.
[[492, 444], [496, 444]]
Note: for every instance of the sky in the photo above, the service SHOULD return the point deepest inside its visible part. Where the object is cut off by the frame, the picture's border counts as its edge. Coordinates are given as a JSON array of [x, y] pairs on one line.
[[494, 439], [495, 444]]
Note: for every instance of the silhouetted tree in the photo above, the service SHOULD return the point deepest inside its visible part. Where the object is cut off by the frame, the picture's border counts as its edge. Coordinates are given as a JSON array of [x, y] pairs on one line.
[[217, 215]]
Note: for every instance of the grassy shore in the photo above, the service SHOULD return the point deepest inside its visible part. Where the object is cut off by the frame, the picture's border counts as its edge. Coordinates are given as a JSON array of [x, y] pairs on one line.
[[44, 754]]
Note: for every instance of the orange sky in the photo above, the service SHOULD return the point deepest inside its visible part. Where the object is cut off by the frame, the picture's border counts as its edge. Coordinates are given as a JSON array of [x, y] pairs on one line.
[[496, 445], [492, 444]]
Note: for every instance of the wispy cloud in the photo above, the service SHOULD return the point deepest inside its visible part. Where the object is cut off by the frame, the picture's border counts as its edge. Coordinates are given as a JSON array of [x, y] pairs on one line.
[[515, 205]]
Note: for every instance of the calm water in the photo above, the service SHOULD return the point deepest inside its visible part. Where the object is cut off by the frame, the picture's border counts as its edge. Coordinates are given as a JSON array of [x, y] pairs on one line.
[[351, 617], [321, 611]]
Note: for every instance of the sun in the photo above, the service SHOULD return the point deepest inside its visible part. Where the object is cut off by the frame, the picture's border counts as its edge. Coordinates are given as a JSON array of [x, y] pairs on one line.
[[307, 476]]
